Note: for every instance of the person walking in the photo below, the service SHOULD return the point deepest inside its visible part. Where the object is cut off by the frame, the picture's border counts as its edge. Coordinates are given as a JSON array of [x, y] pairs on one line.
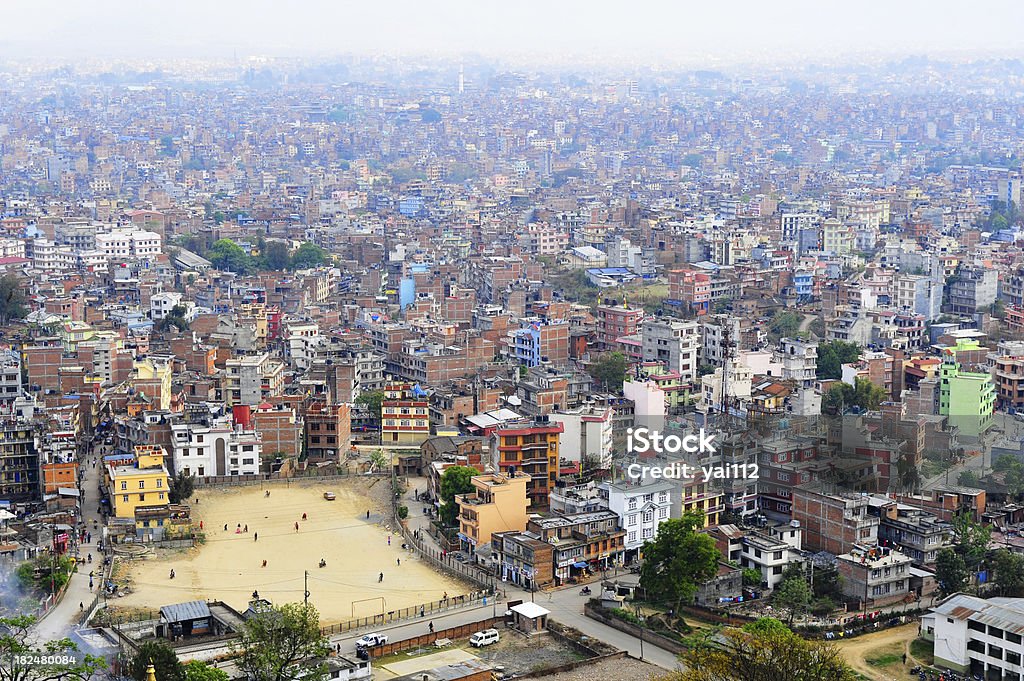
[[380, 578], [255, 536], [431, 627], [367, 514], [399, 562], [389, 540], [296, 526]]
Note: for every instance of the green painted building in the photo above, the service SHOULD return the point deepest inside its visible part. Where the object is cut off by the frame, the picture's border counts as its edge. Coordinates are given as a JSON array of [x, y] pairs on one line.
[[966, 397]]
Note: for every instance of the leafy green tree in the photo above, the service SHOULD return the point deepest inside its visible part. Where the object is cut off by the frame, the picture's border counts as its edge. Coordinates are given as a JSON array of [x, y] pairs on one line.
[[276, 255], [609, 371], [865, 395], [372, 400], [308, 255], [228, 256], [454, 481], [163, 659], [379, 460], [784, 324], [766, 626], [767, 654], [175, 318], [833, 355], [1013, 478], [197, 670], [793, 595], [751, 577], [1004, 463], [18, 644], [678, 560], [968, 479], [182, 487], [971, 539], [950, 572], [283, 643], [13, 303], [1009, 569]]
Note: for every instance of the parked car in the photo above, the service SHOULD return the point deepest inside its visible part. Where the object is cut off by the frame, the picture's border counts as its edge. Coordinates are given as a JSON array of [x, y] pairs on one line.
[[484, 638], [371, 640], [329, 496]]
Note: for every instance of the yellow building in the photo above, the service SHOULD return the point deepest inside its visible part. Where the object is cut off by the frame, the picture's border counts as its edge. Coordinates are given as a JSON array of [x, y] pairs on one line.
[[405, 418], [153, 378], [142, 485], [498, 504]]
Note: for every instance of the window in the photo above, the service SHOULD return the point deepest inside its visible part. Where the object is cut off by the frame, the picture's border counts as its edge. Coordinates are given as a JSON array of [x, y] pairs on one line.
[[142, 484], [142, 497], [662, 513], [161, 496], [159, 483], [648, 516], [124, 484], [777, 555], [777, 570], [125, 498], [631, 519]]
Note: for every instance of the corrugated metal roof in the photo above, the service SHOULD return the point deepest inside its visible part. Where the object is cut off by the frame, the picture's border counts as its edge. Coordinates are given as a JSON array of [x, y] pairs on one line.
[[179, 612]]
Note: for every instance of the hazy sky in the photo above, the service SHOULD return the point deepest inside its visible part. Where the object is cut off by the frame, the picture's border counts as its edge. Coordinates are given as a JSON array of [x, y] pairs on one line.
[[725, 29]]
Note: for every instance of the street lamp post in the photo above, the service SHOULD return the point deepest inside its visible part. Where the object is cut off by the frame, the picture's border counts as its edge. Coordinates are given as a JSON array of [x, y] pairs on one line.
[[640, 626]]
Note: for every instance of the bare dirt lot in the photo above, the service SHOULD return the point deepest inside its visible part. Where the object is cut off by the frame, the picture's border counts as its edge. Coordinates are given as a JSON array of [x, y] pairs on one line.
[[230, 565]]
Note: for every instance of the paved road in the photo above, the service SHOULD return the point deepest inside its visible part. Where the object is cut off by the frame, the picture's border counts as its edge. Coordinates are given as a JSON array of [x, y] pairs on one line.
[[62, 618]]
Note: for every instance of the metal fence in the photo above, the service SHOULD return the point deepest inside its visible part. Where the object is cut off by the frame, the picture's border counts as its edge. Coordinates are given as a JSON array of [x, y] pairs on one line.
[[444, 605], [247, 480]]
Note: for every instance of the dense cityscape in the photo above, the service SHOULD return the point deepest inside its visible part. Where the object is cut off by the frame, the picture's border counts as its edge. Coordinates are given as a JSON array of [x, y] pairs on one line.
[[457, 369]]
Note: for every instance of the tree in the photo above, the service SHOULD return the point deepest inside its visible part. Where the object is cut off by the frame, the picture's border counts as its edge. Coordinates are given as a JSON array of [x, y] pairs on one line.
[[182, 486], [833, 355], [163, 659], [609, 370], [372, 401], [950, 572], [751, 577], [678, 560], [308, 255], [793, 595], [197, 670], [1009, 569], [784, 324], [175, 318], [228, 256], [378, 460], [276, 255], [283, 643], [12, 298], [1013, 478], [968, 479], [766, 654], [766, 626], [864, 395], [454, 481], [21, 655], [971, 539]]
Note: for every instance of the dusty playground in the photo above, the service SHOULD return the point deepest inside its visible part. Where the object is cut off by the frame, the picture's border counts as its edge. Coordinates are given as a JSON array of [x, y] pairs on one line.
[[229, 566]]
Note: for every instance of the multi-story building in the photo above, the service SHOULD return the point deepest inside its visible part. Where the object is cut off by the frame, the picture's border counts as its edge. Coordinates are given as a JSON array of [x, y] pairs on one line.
[[719, 337], [917, 533], [875, 575], [640, 508], [966, 398], [1009, 382], [616, 321], [405, 415], [583, 542], [523, 559], [833, 521], [770, 550], [144, 484], [328, 431], [919, 294], [251, 379], [531, 448], [121, 244], [692, 290], [217, 449], [587, 436], [799, 359], [538, 341], [497, 504], [672, 343], [20, 450], [977, 636], [972, 288]]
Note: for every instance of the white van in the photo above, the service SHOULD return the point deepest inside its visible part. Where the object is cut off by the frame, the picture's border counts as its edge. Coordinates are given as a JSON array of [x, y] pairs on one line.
[[483, 638]]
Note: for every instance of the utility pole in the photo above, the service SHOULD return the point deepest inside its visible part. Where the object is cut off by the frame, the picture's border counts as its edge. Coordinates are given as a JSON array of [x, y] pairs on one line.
[[305, 587]]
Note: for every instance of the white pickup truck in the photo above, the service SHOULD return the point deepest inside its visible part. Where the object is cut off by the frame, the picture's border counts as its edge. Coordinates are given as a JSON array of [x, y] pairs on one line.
[[371, 640]]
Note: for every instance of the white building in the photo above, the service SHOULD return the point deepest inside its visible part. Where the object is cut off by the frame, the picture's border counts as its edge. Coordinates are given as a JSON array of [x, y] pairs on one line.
[[49, 257], [123, 243], [641, 508], [799, 359], [648, 403], [217, 449], [672, 342], [161, 304], [302, 338], [587, 436], [735, 391], [978, 636]]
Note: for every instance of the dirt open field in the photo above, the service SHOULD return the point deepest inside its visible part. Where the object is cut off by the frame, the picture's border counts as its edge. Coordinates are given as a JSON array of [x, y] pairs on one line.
[[229, 566]]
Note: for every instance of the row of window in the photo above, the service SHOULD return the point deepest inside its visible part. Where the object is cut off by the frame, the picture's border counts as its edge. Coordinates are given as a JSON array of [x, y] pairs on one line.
[[142, 497], [142, 484]]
